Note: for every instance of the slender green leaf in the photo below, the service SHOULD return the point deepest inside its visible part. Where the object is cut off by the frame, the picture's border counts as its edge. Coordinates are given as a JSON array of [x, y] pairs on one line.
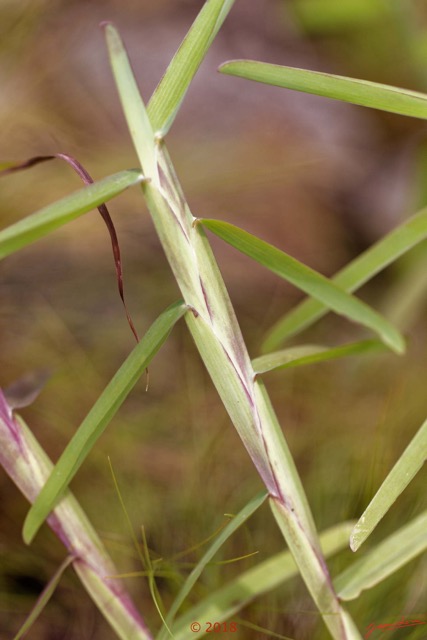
[[384, 559], [170, 92], [132, 103], [311, 354], [42, 222], [98, 418], [405, 469], [228, 531], [308, 280], [44, 598], [360, 92], [353, 276]]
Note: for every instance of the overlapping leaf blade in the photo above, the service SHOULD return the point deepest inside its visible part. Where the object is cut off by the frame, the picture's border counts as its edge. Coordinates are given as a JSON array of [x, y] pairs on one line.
[[384, 559], [360, 92], [49, 218], [350, 278], [405, 469], [307, 280], [99, 417]]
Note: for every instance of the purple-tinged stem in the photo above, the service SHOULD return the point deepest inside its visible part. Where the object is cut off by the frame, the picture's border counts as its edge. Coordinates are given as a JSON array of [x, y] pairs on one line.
[[29, 467]]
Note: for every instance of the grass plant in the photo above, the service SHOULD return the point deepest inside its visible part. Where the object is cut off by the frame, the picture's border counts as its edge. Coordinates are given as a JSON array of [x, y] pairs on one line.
[[209, 315]]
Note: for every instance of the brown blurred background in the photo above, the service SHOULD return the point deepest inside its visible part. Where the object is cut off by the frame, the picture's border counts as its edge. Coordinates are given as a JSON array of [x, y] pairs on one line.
[[320, 179]]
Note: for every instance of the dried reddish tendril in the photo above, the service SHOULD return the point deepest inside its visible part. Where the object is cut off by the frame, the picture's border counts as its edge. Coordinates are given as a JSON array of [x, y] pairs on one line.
[[81, 171]]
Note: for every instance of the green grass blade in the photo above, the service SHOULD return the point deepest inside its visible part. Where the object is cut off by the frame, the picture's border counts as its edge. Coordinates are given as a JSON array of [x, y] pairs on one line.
[[360, 92], [312, 354], [384, 559], [98, 418], [354, 275], [234, 596], [49, 218], [308, 280], [170, 92], [405, 469], [132, 103], [43, 599], [228, 531]]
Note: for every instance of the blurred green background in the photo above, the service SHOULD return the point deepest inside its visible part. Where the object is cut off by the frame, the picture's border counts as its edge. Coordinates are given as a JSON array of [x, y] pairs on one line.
[[320, 179]]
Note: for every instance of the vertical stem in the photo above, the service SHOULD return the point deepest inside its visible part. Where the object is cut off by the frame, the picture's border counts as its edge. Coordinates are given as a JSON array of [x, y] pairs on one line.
[[216, 332], [218, 338]]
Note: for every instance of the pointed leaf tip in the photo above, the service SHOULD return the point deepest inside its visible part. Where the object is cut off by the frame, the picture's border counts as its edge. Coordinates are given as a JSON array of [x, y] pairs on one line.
[[355, 539]]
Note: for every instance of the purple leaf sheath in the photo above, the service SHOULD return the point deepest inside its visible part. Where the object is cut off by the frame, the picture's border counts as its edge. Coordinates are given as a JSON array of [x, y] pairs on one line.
[[29, 467]]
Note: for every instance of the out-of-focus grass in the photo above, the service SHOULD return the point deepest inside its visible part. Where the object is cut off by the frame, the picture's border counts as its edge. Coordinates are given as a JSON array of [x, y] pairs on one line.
[[60, 309]]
